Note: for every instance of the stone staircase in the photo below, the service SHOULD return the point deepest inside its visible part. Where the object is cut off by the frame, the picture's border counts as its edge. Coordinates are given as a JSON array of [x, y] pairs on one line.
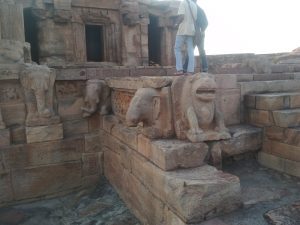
[[279, 114]]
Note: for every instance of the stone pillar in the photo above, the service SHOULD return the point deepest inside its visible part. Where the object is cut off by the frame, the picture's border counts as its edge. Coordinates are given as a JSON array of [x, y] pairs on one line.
[[12, 35], [42, 121], [12, 22]]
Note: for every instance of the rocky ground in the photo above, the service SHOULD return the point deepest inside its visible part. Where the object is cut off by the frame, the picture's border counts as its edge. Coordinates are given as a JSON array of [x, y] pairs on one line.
[[265, 192]]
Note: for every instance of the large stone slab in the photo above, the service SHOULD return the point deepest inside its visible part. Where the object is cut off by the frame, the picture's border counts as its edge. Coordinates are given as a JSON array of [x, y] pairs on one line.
[[44, 133], [172, 154], [194, 194], [45, 180], [244, 138]]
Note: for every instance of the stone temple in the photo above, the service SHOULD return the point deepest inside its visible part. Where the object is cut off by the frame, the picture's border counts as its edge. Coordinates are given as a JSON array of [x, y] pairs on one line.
[[87, 93]]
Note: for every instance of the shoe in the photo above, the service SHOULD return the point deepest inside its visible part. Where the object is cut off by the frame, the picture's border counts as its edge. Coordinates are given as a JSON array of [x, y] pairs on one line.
[[188, 73], [178, 73]]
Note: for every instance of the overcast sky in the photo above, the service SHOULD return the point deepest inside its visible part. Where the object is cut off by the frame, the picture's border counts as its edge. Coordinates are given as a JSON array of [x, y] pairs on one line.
[[252, 26]]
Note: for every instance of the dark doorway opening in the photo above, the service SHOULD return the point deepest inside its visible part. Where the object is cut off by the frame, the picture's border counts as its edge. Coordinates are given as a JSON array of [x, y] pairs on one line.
[[154, 41], [94, 43], [31, 33]]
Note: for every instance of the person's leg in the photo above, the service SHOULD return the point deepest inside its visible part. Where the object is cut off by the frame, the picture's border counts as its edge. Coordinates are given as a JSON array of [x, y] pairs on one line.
[[203, 55], [190, 50], [178, 55], [185, 65]]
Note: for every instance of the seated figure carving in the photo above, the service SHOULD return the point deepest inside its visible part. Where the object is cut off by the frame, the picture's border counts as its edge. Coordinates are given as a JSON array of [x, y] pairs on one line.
[[38, 83], [97, 96], [195, 113]]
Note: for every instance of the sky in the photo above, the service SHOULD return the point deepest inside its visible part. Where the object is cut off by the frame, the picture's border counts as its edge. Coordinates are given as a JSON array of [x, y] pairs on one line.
[[251, 26]]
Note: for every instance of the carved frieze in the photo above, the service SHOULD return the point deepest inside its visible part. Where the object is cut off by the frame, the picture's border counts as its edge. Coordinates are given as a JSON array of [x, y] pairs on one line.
[[120, 101]]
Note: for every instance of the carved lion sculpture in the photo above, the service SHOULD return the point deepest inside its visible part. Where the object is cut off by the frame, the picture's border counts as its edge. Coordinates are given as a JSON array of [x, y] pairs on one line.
[[97, 96], [196, 115]]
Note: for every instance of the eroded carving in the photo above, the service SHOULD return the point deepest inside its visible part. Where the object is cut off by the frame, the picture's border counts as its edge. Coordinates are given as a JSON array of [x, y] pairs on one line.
[[196, 115], [152, 108], [38, 83], [130, 12], [120, 101], [97, 96]]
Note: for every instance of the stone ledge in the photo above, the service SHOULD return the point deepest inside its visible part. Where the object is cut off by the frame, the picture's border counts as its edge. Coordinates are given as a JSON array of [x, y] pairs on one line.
[[172, 154]]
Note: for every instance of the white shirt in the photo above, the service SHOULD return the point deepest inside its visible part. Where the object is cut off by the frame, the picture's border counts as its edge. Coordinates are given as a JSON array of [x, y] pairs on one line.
[[187, 25]]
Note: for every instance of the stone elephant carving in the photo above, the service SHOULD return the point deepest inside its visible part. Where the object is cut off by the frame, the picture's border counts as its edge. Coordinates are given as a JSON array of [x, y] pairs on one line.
[[152, 108], [38, 83], [196, 115], [97, 96]]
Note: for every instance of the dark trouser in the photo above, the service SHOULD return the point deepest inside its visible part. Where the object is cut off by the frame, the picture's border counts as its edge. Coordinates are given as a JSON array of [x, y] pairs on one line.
[[200, 46]]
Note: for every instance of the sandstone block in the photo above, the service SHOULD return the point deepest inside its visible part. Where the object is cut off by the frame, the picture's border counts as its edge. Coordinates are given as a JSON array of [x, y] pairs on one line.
[[172, 154], [283, 150], [295, 100], [92, 163], [44, 133], [108, 122], [111, 143], [5, 137], [229, 103], [69, 109], [92, 142], [147, 208], [75, 127], [95, 122], [44, 153], [18, 134], [287, 118], [289, 136], [194, 194], [244, 138], [271, 101], [260, 118], [13, 114], [127, 135], [280, 164], [45, 180], [6, 193]]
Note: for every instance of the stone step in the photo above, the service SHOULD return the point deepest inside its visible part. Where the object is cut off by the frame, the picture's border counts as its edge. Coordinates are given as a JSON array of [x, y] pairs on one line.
[[261, 87], [265, 77], [289, 136], [192, 195], [280, 164], [287, 117], [283, 150], [273, 101], [282, 118]]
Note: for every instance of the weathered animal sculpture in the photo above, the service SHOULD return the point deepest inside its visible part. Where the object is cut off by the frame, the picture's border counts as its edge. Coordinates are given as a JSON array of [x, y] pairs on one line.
[[38, 83], [97, 96], [195, 113], [152, 108], [130, 12]]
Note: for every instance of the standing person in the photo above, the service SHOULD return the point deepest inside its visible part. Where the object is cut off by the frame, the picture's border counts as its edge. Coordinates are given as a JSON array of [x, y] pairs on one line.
[[201, 24], [186, 31]]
